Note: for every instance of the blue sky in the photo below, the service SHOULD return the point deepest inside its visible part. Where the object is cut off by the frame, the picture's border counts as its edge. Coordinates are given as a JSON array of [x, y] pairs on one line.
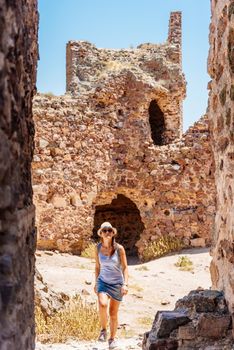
[[121, 24]]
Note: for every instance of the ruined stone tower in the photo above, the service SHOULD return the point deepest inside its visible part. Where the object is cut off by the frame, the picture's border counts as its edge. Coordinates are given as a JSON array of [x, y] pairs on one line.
[[158, 65], [112, 149]]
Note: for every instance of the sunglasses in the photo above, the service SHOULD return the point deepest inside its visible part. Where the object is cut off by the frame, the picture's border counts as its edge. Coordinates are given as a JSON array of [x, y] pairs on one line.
[[107, 230]]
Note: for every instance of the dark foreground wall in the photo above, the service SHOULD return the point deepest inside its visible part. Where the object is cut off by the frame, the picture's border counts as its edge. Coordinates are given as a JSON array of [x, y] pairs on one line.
[[18, 60], [221, 114]]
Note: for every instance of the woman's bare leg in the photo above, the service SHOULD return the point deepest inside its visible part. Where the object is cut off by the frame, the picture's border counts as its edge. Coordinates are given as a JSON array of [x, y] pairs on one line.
[[113, 311], [103, 304]]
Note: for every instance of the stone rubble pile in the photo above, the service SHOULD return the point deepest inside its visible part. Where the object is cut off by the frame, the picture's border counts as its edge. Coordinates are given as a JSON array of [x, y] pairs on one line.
[[45, 298], [200, 321]]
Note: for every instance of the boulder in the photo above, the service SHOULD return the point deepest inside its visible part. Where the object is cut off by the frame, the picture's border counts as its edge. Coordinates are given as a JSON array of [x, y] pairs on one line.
[[200, 301]]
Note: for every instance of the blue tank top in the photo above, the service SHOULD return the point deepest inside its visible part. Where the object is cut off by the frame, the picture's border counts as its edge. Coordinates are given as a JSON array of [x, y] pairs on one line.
[[110, 267]]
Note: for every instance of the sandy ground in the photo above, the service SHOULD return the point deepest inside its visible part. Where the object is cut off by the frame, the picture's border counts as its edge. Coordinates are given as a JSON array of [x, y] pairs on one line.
[[134, 343], [155, 285]]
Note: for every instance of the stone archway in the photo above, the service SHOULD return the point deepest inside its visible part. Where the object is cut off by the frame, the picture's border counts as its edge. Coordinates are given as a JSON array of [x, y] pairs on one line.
[[125, 216], [157, 124]]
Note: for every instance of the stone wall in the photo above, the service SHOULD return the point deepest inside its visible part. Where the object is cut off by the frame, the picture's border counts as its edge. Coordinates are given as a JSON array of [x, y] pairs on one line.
[[90, 161], [221, 107], [18, 60], [112, 149]]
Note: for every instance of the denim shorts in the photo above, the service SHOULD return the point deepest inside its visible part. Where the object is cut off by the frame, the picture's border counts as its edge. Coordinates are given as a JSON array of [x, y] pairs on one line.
[[113, 290]]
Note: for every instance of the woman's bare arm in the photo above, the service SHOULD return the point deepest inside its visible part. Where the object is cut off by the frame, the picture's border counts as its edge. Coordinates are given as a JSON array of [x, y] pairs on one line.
[[124, 263], [97, 268]]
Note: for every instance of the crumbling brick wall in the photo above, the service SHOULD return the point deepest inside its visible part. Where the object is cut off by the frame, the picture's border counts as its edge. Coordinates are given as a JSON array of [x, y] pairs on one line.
[[221, 114], [18, 60], [86, 156], [114, 141]]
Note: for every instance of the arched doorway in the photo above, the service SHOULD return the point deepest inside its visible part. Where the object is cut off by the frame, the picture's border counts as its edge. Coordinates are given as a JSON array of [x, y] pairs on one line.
[[123, 214], [157, 124]]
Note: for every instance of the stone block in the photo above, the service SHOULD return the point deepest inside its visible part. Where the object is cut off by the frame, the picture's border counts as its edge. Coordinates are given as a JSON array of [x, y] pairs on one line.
[[198, 242], [166, 321], [187, 332], [6, 294], [5, 197], [164, 344], [6, 264], [58, 201], [213, 326], [75, 200], [214, 272], [158, 344], [43, 143]]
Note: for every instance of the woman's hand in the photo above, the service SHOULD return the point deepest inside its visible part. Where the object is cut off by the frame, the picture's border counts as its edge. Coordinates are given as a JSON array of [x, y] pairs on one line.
[[95, 288], [124, 290]]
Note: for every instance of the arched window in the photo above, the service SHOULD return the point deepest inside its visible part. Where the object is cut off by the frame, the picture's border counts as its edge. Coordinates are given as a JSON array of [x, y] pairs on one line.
[[157, 124], [123, 214]]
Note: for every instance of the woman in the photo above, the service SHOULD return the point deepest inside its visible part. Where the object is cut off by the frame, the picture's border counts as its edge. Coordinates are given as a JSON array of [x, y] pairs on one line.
[[111, 272]]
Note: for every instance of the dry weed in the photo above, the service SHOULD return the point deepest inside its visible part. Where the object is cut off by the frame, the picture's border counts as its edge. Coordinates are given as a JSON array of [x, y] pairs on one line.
[[162, 246], [184, 263], [142, 268], [146, 321], [89, 251], [79, 320]]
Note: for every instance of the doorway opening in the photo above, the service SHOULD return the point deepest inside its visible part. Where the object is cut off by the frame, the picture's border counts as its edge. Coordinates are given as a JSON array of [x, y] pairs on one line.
[[123, 214]]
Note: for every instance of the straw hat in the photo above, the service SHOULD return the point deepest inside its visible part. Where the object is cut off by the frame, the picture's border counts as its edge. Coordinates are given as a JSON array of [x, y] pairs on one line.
[[106, 225]]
